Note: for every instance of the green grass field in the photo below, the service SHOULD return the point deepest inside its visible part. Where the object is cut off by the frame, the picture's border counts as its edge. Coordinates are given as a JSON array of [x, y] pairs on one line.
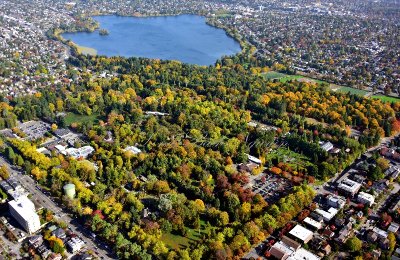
[[273, 75], [352, 91], [75, 118], [386, 98], [174, 241], [270, 75], [295, 160]]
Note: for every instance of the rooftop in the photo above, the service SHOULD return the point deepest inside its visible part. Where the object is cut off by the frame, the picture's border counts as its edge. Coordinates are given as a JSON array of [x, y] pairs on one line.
[[301, 233]]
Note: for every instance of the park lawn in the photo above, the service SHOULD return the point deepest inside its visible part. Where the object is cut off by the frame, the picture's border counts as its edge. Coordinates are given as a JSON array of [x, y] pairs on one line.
[[286, 77], [273, 75], [386, 98], [295, 160], [174, 241], [75, 118], [290, 77], [315, 122], [359, 92]]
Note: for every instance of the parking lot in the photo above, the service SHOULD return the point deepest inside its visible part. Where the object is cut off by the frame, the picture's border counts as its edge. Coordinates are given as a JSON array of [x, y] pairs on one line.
[[34, 129], [271, 187]]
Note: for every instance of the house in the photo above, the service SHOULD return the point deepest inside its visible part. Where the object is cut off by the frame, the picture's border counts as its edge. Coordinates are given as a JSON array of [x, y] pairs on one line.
[[344, 233], [349, 187], [291, 243], [35, 241], [301, 233], [75, 244], [326, 146], [393, 172], [372, 237], [394, 227], [280, 251], [366, 198], [381, 233], [54, 256], [328, 233], [59, 233]]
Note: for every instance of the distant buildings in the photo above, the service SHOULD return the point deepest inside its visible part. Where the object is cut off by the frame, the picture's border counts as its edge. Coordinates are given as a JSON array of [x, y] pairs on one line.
[[23, 210], [290, 249]]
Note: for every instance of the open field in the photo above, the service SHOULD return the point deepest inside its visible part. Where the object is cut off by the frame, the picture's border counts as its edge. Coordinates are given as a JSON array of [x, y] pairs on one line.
[[75, 118], [86, 50], [193, 236], [386, 98], [352, 91], [283, 154]]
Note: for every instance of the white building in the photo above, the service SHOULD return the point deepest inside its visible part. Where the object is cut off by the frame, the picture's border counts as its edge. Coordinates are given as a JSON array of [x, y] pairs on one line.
[[82, 152], [23, 210], [254, 159], [327, 146], [303, 254], [350, 187], [365, 198], [313, 223], [301, 233], [335, 201], [132, 149], [75, 244], [327, 215]]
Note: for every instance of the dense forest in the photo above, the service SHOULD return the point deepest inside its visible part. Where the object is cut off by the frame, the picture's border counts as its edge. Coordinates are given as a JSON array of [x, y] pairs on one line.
[[187, 172]]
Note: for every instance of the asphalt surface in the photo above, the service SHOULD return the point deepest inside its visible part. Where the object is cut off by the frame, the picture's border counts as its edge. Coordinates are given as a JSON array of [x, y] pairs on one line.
[[39, 197]]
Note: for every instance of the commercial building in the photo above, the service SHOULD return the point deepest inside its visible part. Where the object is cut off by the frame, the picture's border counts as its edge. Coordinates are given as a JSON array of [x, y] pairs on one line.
[[327, 215], [365, 198], [82, 152], [335, 201], [23, 210], [301, 233], [349, 187]]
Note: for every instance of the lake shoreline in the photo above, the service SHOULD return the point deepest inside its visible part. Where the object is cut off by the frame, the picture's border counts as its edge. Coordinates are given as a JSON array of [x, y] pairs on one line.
[[192, 43]]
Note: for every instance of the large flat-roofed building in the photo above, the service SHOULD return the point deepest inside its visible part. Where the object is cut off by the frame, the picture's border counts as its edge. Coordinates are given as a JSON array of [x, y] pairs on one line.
[[312, 223], [349, 187], [365, 198], [303, 254], [301, 233], [23, 210], [327, 215]]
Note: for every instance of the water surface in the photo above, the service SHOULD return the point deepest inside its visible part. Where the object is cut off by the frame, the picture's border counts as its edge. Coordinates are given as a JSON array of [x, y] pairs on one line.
[[186, 38]]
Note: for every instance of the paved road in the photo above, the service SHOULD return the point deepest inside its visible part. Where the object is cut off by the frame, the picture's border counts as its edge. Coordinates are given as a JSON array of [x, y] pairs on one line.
[[38, 196]]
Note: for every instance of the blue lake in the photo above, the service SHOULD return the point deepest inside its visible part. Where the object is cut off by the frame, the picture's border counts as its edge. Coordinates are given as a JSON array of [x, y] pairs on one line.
[[186, 38]]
